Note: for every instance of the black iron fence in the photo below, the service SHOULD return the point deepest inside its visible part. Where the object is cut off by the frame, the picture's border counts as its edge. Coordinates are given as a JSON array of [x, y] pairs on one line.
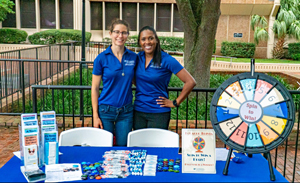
[[18, 75]]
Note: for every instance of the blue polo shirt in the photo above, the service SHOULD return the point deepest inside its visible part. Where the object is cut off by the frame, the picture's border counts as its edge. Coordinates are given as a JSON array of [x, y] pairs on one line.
[[153, 81], [117, 90]]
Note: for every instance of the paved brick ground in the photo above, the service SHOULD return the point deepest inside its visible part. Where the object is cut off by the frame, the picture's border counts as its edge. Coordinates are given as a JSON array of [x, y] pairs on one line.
[[9, 142]]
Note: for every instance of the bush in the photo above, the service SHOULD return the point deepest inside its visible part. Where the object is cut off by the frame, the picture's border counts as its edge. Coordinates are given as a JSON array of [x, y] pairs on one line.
[[294, 50], [12, 36], [56, 36], [238, 49], [296, 56]]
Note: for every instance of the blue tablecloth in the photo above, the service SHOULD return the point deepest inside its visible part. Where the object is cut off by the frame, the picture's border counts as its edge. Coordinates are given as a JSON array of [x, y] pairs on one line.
[[253, 169]]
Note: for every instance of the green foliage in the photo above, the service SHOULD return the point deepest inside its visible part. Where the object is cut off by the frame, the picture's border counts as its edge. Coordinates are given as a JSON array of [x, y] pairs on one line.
[[294, 50], [12, 36], [5, 7], [296, 56], [238, 49], [56, 36], [71, 99]]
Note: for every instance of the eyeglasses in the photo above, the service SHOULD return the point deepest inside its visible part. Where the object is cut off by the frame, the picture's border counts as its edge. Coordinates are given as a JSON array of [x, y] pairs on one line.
[[123, 33]]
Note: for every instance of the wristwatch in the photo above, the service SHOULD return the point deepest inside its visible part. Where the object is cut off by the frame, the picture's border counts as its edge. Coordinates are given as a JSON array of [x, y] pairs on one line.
[[175, 103]]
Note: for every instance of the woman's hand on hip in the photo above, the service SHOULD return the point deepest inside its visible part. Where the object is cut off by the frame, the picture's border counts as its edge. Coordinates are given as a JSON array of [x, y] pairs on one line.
[[164, 102], [98, 123]]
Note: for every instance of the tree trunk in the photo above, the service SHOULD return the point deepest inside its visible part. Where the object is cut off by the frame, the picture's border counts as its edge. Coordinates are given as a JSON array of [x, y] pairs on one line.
[[200, 19], [278, 51]]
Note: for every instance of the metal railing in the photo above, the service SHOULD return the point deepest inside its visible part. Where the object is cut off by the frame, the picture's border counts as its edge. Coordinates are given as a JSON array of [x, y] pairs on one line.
[[18, 75], [215, 60]]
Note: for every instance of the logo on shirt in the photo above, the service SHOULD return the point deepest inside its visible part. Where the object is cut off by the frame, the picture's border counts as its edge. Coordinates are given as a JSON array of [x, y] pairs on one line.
[[129, 62], [155, 66]]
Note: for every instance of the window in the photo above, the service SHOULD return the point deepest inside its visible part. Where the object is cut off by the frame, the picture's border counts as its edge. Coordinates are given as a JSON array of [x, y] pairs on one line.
[[146, 15], [10, 20], [66, 14], [111, 13], [96, 16], [27, 13], [177, 23], [129, 13], [47, 9], [163, 17]]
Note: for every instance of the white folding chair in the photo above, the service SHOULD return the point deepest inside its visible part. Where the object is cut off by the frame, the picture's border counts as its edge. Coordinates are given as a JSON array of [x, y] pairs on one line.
[[152, 137], [86, 136]]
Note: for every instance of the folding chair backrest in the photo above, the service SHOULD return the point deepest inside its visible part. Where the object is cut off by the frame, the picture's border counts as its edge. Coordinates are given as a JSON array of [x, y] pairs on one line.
[[152, 137], [86, 136]]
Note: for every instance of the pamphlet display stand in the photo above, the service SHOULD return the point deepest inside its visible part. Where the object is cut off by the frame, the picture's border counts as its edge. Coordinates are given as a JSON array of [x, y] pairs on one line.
[[252, 113]]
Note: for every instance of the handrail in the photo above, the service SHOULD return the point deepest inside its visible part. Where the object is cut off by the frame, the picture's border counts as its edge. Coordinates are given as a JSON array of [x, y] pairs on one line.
[[222, 57]]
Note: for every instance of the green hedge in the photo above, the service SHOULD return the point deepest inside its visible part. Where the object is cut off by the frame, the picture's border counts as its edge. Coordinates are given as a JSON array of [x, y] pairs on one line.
[[12, 36], [167, 43], [238, 49], [296, 56], [294, 51], [56, 36]]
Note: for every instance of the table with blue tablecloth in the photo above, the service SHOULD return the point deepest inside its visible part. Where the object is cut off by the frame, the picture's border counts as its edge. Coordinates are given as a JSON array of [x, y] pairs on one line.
[[253, 169]]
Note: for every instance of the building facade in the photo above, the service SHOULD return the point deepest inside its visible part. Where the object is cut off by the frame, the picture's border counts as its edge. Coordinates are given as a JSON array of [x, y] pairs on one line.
[[234, 23]]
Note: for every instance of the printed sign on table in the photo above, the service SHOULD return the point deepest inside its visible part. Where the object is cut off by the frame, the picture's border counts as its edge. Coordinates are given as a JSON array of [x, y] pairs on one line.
[[198, 151]]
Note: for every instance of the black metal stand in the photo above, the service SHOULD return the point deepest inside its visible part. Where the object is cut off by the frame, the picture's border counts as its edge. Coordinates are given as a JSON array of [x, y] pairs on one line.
[[267, 155], [272, 176], [225, 171]]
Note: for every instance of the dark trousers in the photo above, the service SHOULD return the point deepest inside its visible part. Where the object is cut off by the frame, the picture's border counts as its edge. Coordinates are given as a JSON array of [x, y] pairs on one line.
[[151, 120]]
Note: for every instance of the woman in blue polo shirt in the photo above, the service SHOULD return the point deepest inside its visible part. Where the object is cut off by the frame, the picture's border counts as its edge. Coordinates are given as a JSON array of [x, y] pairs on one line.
[[152, 106], [113, 110]]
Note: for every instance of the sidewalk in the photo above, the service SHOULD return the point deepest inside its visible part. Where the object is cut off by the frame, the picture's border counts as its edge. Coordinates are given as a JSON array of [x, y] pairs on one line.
[[9, 142]]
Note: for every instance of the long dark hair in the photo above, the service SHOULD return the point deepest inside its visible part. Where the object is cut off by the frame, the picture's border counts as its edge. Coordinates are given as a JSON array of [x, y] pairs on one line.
[[157, 51]]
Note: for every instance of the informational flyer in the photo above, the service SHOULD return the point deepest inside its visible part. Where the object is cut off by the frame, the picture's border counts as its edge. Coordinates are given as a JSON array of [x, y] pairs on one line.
[[30, 135], [63, 172], [198, 151]]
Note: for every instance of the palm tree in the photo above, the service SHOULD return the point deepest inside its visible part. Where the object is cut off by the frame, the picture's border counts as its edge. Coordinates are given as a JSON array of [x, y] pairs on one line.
[[259, 25], [286, 24]]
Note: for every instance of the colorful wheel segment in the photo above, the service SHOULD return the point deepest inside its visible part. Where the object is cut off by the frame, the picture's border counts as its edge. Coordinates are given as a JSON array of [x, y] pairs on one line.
[[252, 114]]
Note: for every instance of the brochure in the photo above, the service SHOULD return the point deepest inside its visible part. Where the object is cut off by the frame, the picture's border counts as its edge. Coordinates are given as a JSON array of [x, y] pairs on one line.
[[198, 151]]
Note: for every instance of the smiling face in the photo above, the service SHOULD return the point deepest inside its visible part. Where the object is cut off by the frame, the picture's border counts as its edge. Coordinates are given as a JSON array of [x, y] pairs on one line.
[[148, 42], [119, 35]]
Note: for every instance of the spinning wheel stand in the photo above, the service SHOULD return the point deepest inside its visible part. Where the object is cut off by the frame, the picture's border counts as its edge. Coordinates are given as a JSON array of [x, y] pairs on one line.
[[252, 113], [268, 155]]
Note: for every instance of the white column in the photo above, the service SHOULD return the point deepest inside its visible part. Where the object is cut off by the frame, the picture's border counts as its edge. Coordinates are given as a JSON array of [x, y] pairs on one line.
[[172, 18], [57, 15], [0, 25], [271, 39], [103, 19], [18, 14], [227, 28], [87, 16], [155, 8], [121, 11], [77, 14], [138, 17], [37, 15]]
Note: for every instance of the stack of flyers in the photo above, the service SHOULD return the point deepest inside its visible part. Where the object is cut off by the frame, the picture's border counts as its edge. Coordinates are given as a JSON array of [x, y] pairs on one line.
[[30, 129], [150, 165], [49, 134], [30, 140]]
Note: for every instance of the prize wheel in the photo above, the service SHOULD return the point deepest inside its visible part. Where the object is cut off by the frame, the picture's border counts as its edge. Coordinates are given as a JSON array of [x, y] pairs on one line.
[[252, 113]]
